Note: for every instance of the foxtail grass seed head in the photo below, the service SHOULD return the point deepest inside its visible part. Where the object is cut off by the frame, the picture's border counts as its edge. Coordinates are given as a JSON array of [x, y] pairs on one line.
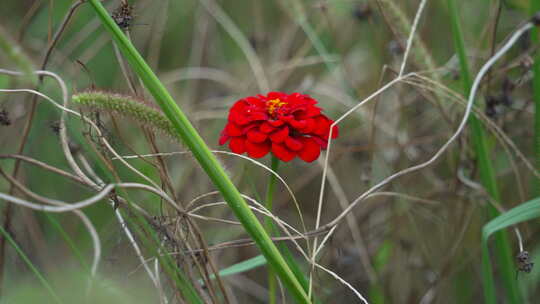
[[127, 106]]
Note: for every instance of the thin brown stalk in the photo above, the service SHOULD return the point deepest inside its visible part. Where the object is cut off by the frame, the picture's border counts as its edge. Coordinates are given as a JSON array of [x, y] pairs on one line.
[[44, 166]]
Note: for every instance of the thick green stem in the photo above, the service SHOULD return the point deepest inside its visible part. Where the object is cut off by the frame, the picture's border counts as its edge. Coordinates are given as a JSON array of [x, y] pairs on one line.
[[269, 225], [487, 172], [269, 200], [203, 155]]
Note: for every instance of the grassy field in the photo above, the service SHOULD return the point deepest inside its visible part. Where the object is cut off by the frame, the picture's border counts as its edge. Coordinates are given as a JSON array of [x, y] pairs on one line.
[[114, 188]]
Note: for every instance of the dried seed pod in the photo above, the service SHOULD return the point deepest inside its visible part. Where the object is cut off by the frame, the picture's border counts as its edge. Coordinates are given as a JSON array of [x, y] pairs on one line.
[[524, 264], [55, 126], [4, 118], [523, 257], [536, 19], [507, 88], [491, 106], [362, 11], [123, 15]]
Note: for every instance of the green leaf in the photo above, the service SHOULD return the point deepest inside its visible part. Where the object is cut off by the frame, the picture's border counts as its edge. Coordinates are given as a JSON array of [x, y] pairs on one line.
[[243, 266], [521, 213], [486, 171]]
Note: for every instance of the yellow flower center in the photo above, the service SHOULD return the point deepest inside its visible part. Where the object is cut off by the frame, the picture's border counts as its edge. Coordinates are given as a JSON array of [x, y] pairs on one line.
[[273, 105]]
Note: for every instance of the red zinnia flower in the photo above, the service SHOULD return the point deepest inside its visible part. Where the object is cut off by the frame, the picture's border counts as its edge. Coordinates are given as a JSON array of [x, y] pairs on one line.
[[288, 125]]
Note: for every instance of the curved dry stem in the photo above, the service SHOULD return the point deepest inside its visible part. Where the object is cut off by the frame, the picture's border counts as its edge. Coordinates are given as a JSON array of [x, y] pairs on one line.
[[84, 219], [354, 227], [44, 166], [411, 36], [255, 162], [497, 131], [60, 206], [314, 233], [441, 150], [342, 281], [511, 41], [63, 134], [260, 208], [67, 152], [80, 173]]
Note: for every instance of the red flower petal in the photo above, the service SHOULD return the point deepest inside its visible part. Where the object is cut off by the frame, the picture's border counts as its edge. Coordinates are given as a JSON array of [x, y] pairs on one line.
[[238, 118], [237, 145], [298, 124], [257, 150], [322, 126], [321, 142], [233, 130], [276, 95], [281, 152], [310, 126], [223, 139], [256, 136], [266, 127], [286, 118], [276, 123], [249, 127], [311, 150], [280, 135], [311, 112], [239, 106], [293, 144], [259, 116]]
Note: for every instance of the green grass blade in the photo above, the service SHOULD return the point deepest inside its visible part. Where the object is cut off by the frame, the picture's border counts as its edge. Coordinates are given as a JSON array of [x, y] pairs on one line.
[[243, 266], [518, 214], [535, 7], [152, 242], [381, 259], [30, 265], [69, 241], [206, 159], [139, 226], [259, 261], [487, 173], [521, 213]]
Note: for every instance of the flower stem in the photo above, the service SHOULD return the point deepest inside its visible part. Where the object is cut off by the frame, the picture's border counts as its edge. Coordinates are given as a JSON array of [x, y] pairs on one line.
[[203, 155], [269, 226]]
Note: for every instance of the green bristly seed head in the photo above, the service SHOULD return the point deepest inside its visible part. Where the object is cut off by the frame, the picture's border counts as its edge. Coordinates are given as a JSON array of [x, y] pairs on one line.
[[126, 106]]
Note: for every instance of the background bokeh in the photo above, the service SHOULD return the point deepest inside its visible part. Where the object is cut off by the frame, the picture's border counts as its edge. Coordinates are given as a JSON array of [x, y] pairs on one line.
[[418, 244]]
